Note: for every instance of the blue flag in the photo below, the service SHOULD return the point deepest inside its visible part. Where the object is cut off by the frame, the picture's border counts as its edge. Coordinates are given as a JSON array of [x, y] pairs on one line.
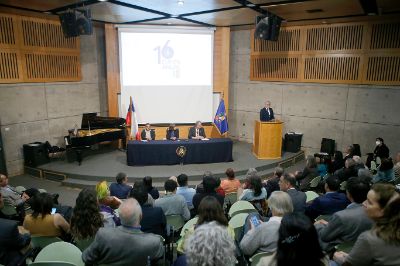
[[220, 119]]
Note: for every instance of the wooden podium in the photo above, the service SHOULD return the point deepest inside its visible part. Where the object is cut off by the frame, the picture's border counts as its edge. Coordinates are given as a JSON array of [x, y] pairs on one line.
[[268, 140]]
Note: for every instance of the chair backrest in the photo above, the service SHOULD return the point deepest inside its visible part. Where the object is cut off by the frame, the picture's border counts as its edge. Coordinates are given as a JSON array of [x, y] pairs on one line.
[[41, 190], [61, 251], [176, 221], [52, 263], [311, 195], [325, 217], [20, 189], [82, 244], [231, 197], [237, 222], [189, 224], [345, 246], [43, 241], [241, 206], [315, 181], [343, 185], [255, 259], [8, 210]]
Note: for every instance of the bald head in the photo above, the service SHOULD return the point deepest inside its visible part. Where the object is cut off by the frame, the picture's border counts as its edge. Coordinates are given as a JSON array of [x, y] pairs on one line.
[[130, 212]]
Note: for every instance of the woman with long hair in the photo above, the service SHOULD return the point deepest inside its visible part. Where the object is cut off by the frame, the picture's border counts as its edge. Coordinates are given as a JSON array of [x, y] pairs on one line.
[[381, 244], [255, 189], [86, 218]]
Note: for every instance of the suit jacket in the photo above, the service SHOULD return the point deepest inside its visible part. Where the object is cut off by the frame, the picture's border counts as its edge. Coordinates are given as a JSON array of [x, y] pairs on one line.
[[327, 204], [152, 134], [343, 226], [192, 132], [176, 133], [11, 241], [298, 200], [264, 116], [153, 220], [10, 196], [123, 246]]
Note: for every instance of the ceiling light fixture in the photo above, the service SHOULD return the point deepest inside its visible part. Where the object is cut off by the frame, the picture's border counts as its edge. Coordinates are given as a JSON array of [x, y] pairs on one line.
[[102, 0], [181, 2]]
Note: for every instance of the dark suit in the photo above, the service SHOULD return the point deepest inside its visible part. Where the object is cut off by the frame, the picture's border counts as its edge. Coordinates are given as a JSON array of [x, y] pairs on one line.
[[152, 134], [265, 115], [199, 196], [11, 241], [327, 204], [169, 133], [298, 200], [192, 132], [153, 220]]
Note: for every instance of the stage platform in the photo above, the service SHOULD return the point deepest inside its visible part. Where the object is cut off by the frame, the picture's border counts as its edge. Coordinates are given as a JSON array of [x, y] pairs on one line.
[[105, 164]]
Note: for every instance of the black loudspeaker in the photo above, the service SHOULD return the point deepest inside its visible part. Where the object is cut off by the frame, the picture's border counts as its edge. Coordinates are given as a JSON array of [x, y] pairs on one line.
[[357, 150], [84, 23], [35, 154], [267, 27], [68, 24], [76, 22], [328, 146], [292, 142]]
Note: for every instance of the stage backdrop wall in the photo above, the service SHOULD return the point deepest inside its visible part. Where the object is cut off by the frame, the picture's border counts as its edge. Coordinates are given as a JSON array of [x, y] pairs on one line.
[[45, 111], [347, 113]]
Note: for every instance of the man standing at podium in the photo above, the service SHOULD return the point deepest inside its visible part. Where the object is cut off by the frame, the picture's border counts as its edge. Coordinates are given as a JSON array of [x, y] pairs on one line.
[[266, 113]]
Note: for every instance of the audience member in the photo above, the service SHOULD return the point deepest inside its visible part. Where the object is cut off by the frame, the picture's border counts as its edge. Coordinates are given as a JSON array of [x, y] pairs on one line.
[[231, 184], [381, 150], [148, 183], [12, 197], [103, 196], [209, 185], [381, 244], [310, 171], [365, 173], [171, 203], [396, 168], [385, 171], [322, 168], [42, 222], [348, 171], [297, 244], [148, 133], [348, 224], [272, 183], [126, 244], [349, 152], [263, 237], [329, 203], [219, 189], [210, 245], [120, 189], [255, 190], [287, 183], [11, 241], [185, 190], [153, 218], [139, 184], [338, 162], [209, 211], [86, 218]]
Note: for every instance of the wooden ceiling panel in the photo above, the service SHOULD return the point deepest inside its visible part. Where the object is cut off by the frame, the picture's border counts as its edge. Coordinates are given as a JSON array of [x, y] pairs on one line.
[[40, 5], [228, 18], [109, 12], [317, 9]]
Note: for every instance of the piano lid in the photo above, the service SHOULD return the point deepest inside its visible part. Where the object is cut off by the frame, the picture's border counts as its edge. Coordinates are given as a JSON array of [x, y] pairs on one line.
[[92, 121]]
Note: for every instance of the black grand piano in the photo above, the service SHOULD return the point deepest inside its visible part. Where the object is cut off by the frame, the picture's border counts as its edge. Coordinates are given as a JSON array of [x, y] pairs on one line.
[[94, 130]]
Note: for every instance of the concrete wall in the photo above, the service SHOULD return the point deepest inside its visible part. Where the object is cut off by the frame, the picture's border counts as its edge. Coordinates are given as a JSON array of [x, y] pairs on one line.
[[45, 111], [347, 113]]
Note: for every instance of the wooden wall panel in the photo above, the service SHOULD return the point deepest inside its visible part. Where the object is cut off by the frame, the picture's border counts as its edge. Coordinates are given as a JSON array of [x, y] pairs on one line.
[[352, 53]]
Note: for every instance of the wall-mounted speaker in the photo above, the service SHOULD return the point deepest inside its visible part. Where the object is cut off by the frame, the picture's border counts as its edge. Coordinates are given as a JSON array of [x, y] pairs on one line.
[[76, 22], [84, 22], [68, 23], [267, 27]]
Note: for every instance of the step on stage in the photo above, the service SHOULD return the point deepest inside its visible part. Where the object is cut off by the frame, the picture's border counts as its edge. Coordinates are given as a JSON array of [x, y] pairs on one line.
[[107, 163]]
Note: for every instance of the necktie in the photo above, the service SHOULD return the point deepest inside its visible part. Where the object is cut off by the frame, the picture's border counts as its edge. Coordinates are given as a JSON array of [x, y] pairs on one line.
[[197, 132], [172, 134], [268, 112]]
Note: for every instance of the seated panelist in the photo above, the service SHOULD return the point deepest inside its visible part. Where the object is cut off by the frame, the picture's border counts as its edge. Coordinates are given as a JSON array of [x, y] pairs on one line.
[[148, 133], [197, 132], [172, 132], [266, 113]]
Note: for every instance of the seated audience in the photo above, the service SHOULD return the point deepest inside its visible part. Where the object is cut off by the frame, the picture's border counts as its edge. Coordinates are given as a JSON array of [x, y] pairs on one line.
[[185, 190], [297, 244], [139, 184], [126, 244], [86, 218], [104, 198], [338, 162], [310, 171], [11, 241], [331, 202], [209, 184], [209, 211], [254, 190], [365, 173], [12, 197], [385, 171], [148, 133], [288, 184], [172, 132], [396, 167], [348, 224], [264, 237], [148, 183], [348, 171], [272, 183], [210, 245], [358, 163], [349, 152], [171, 203], [120, 189], [381, 244], [322, 168], [153, 218], [231, 184], [41, 222]]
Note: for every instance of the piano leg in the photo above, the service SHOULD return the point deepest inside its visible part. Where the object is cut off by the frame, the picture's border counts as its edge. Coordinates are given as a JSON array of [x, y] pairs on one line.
[[79, 156]]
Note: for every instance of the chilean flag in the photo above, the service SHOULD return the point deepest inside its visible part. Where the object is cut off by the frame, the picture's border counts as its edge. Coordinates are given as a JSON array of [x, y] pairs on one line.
[[132, 121]]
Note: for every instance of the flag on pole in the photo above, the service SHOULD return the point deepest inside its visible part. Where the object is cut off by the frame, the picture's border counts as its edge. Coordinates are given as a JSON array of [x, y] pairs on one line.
[[220, 119], [131, 121]]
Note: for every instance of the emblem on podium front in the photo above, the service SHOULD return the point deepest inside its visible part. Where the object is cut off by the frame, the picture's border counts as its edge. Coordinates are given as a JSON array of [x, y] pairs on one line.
[[181, 151]]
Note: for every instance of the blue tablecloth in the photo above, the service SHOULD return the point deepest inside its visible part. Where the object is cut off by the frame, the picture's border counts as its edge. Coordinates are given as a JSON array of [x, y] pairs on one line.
[[163, 152]]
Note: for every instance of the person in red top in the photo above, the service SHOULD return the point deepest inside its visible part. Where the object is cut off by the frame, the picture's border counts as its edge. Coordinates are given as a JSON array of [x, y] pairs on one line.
[[231, 184]]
